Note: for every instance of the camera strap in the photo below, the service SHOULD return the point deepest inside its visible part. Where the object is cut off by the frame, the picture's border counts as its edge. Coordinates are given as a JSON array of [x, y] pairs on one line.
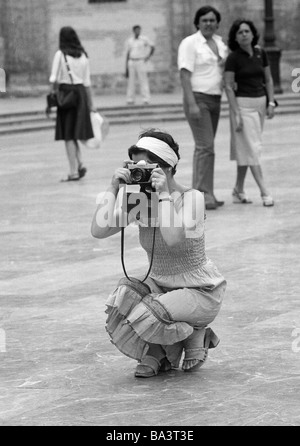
[[122, 254]]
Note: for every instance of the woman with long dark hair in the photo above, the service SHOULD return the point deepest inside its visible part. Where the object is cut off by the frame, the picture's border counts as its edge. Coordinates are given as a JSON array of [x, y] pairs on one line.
[[71, 72], [250, 92]]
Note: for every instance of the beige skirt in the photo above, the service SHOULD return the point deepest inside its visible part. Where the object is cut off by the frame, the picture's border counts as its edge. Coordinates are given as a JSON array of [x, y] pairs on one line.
[[139, 314], [246, 145]]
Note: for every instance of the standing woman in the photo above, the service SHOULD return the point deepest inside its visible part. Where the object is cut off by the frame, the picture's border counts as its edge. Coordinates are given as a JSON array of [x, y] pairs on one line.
[[250, 92], [71, 71]]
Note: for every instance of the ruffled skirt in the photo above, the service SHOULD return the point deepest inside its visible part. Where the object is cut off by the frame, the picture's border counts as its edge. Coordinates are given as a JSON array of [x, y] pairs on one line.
[[140, 313]]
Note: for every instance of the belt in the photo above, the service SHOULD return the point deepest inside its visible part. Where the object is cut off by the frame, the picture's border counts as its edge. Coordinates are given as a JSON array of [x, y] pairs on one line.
[[136, 58]]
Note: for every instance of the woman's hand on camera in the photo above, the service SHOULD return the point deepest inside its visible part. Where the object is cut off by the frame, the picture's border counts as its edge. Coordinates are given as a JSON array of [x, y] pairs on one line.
[[159, 180], [121, 175]]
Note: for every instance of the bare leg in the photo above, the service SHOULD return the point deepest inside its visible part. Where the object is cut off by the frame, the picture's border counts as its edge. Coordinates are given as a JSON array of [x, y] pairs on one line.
[[196, 348], [157, 351], [78, 153], [72, 157], [258, 176], [193, 346], [239, 195], [81, 169], [240, 178]]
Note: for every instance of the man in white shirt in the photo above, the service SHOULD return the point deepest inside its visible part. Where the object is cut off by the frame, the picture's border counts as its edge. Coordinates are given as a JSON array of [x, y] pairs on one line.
[[201, 59], [139, 50]]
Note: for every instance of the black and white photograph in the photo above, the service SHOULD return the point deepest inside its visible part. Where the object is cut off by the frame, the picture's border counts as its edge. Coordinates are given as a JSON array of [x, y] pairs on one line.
[[150, 214]]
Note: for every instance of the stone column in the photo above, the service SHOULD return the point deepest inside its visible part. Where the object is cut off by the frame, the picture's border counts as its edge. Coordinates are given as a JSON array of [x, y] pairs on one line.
[[273, 52]]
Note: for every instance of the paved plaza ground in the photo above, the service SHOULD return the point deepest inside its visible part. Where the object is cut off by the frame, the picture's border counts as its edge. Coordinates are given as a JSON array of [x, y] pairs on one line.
[[57, 364]]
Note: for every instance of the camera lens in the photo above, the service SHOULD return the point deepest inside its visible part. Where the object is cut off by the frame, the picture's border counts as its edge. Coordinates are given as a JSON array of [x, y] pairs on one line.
[[137, 175]]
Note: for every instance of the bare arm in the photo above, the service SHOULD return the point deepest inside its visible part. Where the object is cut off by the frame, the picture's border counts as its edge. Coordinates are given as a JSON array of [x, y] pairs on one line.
[[52, 87], [108, 218], [270, 92], [126, 64], [229, 78], [152, 49], [177, 224], [187, 222], [90, 98], [185, 78]]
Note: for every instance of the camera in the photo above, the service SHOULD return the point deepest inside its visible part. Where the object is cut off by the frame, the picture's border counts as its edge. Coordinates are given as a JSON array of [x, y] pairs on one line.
[[140, 196], [140, 173]]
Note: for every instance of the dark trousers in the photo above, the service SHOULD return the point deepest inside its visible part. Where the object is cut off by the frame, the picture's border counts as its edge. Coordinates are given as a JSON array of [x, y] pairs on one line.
[[204, 131]]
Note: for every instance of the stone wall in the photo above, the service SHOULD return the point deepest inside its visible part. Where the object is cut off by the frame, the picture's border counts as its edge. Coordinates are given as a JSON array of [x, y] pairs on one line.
[[24, 29], [29, 36], [103, 29]]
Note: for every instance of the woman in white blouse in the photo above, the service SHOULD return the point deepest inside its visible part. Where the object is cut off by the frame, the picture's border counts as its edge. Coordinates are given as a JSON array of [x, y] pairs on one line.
[[71, 71]]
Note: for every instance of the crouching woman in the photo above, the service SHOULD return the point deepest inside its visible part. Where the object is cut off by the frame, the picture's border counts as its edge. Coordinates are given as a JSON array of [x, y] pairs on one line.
[[167, 316]]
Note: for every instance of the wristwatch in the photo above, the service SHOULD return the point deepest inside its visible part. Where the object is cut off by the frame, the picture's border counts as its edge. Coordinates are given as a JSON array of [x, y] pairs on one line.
[[272, 103], [169, 198]]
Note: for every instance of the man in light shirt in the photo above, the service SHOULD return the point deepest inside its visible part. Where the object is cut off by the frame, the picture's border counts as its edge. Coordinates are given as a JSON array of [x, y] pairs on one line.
[[139, 49], [201, 59]]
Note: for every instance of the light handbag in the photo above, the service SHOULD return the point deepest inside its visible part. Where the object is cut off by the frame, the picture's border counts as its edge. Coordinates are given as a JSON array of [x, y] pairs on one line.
[[100, 127]]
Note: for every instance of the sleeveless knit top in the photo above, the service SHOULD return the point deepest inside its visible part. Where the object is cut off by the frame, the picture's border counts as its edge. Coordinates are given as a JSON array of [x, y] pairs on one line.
[[186, 256]]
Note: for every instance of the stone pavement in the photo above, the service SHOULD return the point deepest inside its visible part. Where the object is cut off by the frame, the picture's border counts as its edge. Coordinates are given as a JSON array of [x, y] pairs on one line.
[[57, 364]]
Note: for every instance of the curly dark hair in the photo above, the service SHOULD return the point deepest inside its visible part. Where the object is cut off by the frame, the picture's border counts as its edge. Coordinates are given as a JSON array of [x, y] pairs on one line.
[[163, 136], [203, 11], [69, 42], [232, 43]]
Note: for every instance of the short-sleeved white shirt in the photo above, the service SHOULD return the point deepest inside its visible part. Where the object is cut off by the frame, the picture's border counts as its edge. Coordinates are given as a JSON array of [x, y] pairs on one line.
[[79, 67], [207, 69], [138, 48]]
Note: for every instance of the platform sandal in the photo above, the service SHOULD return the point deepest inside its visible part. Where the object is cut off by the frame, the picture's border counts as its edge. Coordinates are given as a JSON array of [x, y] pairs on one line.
[[267, 200], [81, 171], [70, 178], [150, 366], [240, 197], [195, 356]]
